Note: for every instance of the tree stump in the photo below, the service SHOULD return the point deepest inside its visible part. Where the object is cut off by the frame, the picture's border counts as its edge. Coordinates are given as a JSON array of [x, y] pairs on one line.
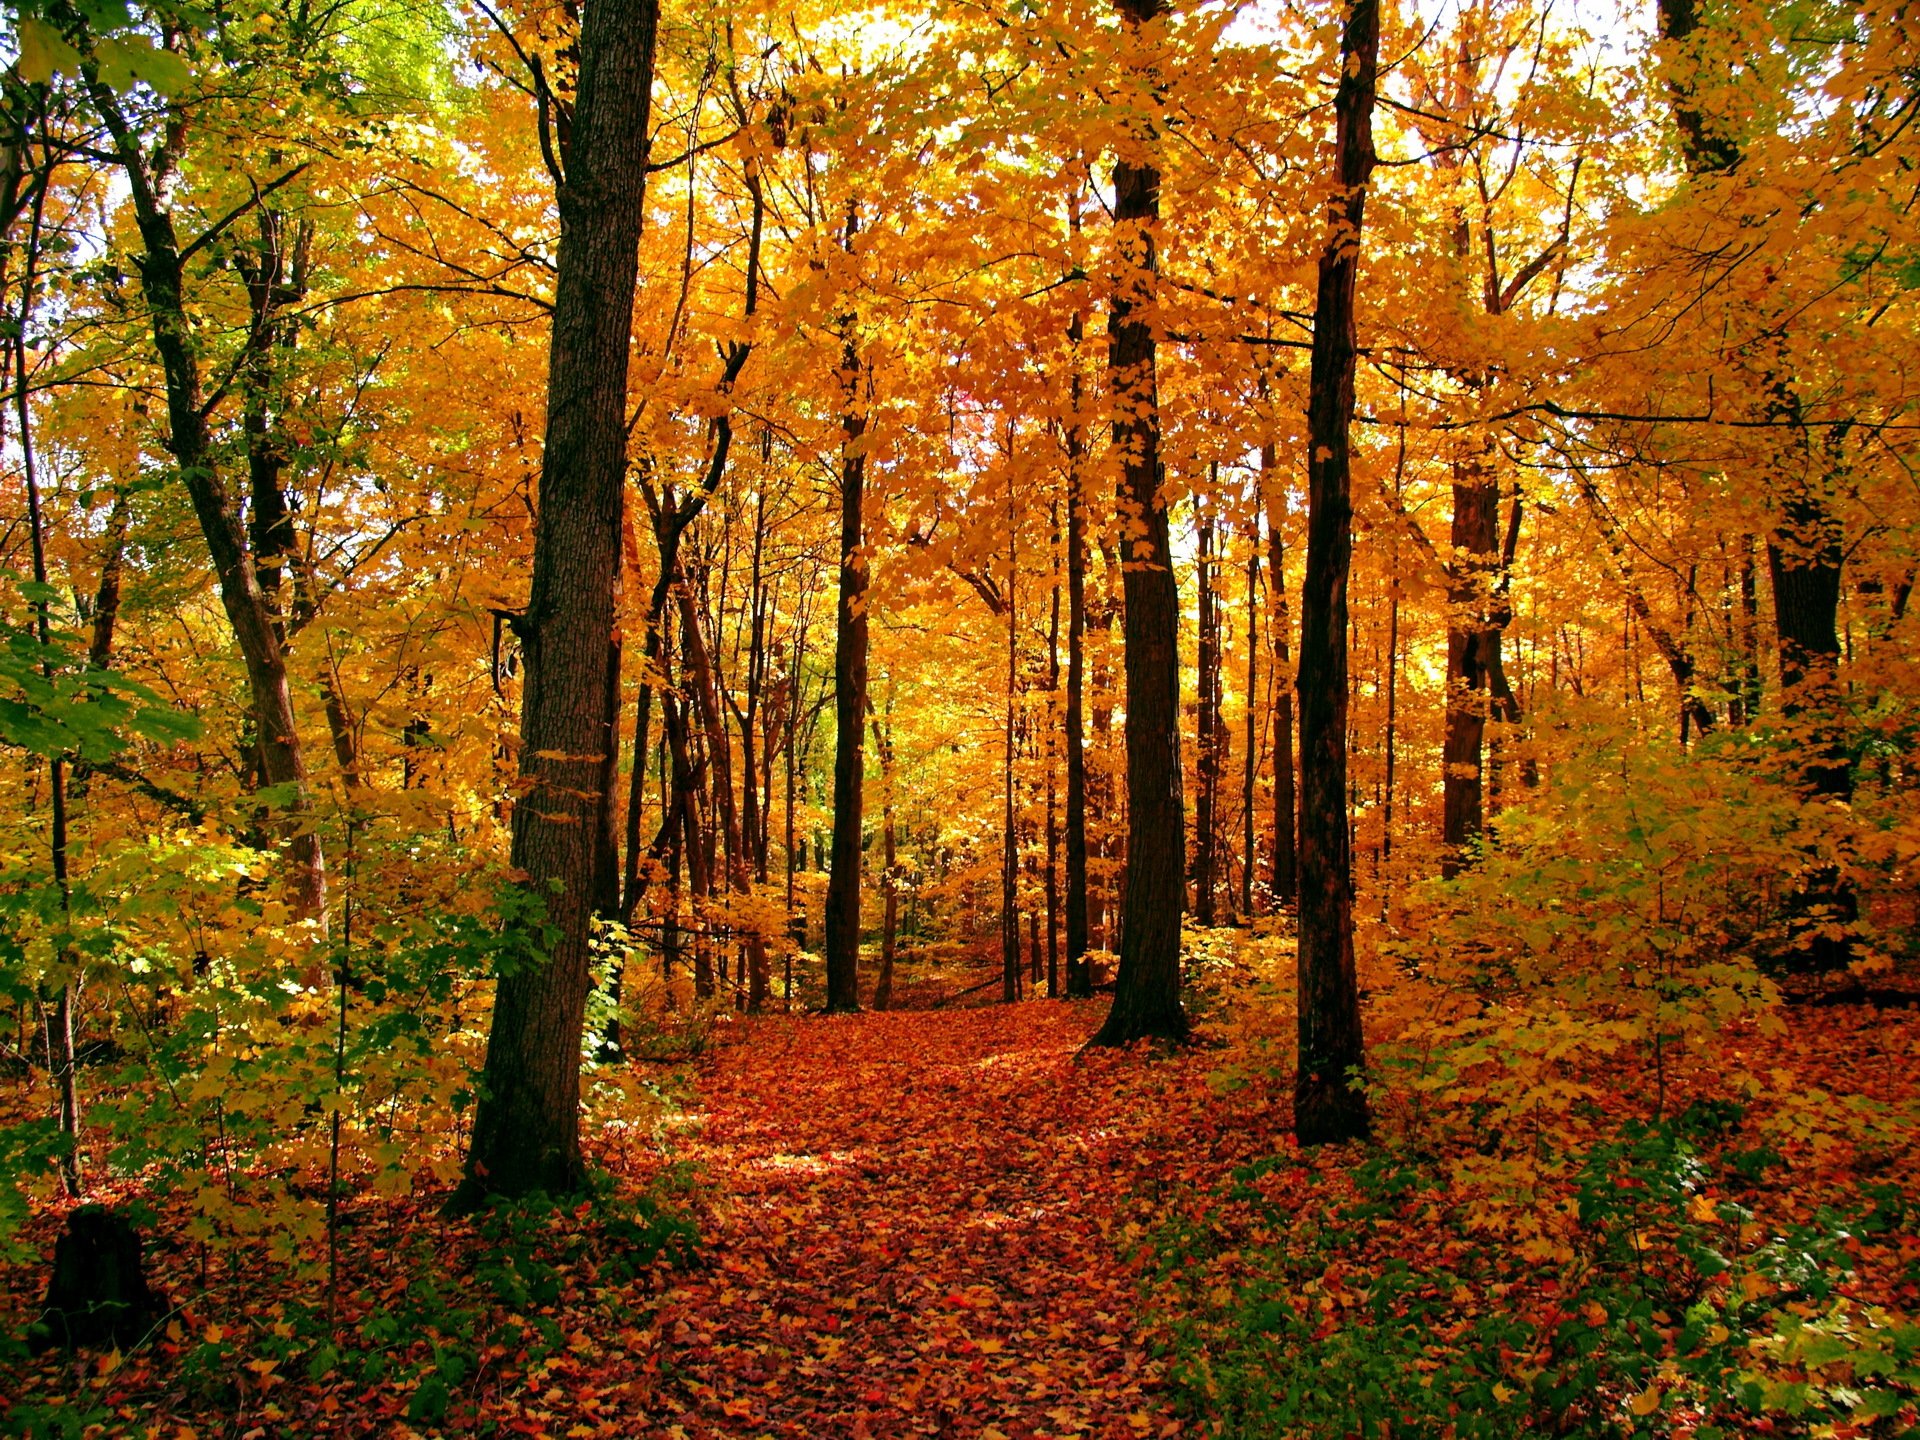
[[98, 1295]]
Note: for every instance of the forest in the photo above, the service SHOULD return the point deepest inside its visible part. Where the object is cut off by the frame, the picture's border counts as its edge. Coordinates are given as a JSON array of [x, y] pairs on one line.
[[1011, 719]]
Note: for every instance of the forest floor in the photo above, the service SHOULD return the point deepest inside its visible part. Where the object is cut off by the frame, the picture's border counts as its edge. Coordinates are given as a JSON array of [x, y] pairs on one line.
[[957, 1222], [922, 1221]]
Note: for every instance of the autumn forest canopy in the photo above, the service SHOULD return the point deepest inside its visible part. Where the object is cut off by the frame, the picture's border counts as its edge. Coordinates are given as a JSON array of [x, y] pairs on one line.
[[1120, 717]]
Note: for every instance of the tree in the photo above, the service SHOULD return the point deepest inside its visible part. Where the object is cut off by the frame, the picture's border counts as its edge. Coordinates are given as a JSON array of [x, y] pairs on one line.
[[1146, 997], [526, 1133], [1328, 1104]]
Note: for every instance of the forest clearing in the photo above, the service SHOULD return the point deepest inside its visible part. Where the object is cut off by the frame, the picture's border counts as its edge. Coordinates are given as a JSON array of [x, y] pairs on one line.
[[1127, 718]]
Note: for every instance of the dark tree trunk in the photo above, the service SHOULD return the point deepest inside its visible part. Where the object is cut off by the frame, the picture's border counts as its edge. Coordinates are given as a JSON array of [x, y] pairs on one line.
[[1328, 1104], [890, 913], [1053, 788], [526, 1134], [1009, 834], [1286, 868], [849, 688], [98, 1295], [1146, 997]]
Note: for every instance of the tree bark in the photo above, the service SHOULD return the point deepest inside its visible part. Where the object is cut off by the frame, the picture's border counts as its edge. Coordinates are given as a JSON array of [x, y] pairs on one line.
[[849, 685], [526, 1134], [1328, 1104], [1146, 997]]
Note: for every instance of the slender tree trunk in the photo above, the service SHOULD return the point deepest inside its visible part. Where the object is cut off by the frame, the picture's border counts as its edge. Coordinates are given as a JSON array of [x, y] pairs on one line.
[[1206, 847], [1079, 972], [1146, 999], [1250, 769], [59, 1017], [1328, 1104], [850, 686], [1286, 868], [700, 679], [1009, 835], [526, 1131], [1053, 789], [890, 914]]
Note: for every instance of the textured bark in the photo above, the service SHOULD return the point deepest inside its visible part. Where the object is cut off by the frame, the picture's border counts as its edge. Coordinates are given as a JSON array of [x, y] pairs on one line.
[[849, 690], [1327, 1103], [1146, 998], [526, 1131]]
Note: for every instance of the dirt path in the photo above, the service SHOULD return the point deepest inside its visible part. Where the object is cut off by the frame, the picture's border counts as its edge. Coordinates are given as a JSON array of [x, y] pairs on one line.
[[917, 1229]]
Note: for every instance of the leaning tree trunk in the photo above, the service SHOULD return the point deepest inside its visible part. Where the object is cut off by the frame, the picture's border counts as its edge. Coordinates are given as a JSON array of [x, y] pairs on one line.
[[1328, 1104], [526, 1133], [1146, 998], [249, 611], [849, 689]]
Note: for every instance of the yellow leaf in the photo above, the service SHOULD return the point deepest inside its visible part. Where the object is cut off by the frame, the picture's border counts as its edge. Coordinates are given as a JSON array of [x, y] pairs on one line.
[[43, 51], [1647, 1401]]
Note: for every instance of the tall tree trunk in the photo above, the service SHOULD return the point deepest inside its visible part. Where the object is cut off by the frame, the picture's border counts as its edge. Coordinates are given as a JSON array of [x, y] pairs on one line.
[[1009, 834], [1286, 866], [1053, 788], [890, 913], [1250, 768], [1206, 846], [849, 683], [58, 1017], [1079, 972], [526, 1133], [1146, 998], [1328, 1105]]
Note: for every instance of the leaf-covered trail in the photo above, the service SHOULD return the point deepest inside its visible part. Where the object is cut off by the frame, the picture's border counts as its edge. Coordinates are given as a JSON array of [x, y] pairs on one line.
[[918, 1227]]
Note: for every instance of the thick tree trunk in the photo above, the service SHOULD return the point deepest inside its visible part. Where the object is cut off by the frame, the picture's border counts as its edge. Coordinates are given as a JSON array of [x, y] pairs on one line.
[[526, 1131], [849, 689], [1328, 1104], [1146, 998]]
